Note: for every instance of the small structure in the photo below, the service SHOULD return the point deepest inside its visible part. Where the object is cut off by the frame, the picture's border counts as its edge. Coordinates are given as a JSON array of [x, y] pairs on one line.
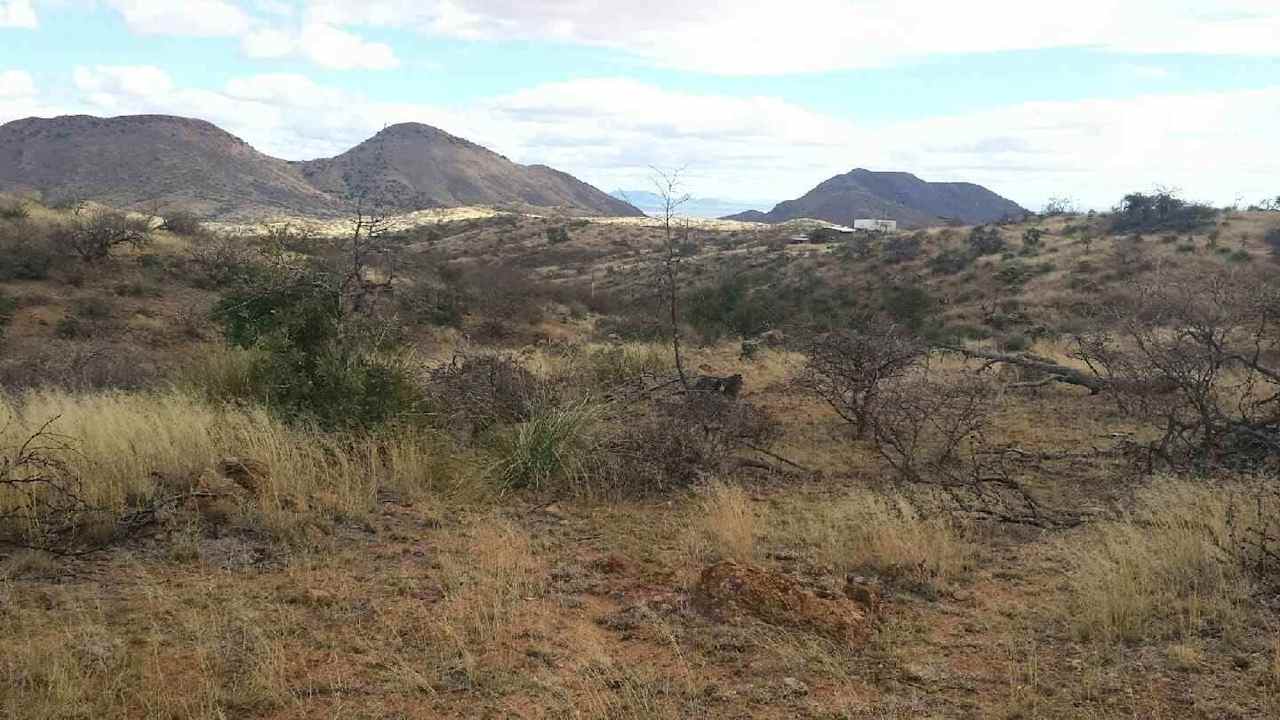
[[876, 225]]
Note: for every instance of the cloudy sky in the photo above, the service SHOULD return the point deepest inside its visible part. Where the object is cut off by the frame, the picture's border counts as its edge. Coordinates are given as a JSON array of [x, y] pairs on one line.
[[758, 100]]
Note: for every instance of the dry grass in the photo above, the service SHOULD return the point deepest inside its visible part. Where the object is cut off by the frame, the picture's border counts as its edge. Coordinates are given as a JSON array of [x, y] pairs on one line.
[[726, 525], [869, 531], [127, 448], [1166, 571]]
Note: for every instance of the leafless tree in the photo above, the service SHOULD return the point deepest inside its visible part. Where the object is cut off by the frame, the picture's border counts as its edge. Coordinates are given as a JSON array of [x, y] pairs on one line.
[[1199, 355], [94, 234], [847, 369], [668, 186]]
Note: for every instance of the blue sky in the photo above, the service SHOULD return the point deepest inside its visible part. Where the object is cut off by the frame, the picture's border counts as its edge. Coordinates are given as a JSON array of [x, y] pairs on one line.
[[758, 100]]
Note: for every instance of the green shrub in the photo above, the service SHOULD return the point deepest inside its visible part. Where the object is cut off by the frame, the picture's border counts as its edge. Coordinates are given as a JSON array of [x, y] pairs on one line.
[[26, 252], [730, 308], [557, 235], [986, 240], [910, 305], [902, 248], [950, 261], [14, 210], [1161, 211], [314, 360], [553, 449]]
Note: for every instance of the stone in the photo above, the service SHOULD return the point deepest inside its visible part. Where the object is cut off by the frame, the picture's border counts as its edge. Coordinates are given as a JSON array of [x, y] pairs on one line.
[[250, 474], [729, 592]]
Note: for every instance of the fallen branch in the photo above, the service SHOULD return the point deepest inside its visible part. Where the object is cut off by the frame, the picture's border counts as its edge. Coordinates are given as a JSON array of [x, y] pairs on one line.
[[1054, 371]]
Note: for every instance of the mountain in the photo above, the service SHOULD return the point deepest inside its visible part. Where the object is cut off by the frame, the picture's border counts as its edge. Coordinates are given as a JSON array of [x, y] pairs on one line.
[[652, 204], [175, 162], [894, 196], [135, 160], [413, 166]]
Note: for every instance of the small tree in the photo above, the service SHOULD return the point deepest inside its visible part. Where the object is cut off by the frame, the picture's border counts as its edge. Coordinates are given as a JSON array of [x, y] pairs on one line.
[[93, 235], [668, 186], [986, 240], [849, 368]]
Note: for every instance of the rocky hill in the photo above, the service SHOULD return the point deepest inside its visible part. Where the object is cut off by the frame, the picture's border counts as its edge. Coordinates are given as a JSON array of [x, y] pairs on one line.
[[891, 195], [172, 162], [413, 166], [152, 159]]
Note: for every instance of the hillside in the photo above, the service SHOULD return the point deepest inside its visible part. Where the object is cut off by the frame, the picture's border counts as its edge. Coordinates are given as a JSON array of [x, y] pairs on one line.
[[135, 160], [563, 533], [172, 162], [413, 166], [891, 195]]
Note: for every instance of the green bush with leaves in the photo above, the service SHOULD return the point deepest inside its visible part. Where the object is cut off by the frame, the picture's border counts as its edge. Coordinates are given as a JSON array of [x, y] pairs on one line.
[[1158, 212], [315, 360], [986, 240], [730, 308]]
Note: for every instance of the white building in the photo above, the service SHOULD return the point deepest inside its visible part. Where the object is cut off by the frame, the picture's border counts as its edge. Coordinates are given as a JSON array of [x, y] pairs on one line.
[[876, 225]]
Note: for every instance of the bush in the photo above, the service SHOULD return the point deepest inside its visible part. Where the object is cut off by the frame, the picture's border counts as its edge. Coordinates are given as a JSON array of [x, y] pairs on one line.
[[557, 235], [95, 235], [1160, 212], [1272, 239], [902, 248], [986, 240], [316, 359], [182, 222], [730, 308], [12, 210], [25, 253], [555, 448], [910, 305], [950, 261]]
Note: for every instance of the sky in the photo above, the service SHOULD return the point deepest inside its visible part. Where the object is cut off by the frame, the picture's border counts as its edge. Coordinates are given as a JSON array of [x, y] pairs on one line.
[[756, 101]]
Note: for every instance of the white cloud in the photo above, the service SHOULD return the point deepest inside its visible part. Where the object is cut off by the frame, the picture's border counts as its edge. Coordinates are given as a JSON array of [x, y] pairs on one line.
[[325, 45], [16, 84], [331, 47], [744, 37], [192, 18], [18, 14]]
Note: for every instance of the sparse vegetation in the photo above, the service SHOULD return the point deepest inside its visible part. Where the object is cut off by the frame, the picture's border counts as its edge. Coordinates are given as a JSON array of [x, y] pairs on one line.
[[312, 460]]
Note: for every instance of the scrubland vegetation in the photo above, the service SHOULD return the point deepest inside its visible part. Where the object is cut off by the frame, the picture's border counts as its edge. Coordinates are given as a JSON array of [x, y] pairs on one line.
[[1019, 471]]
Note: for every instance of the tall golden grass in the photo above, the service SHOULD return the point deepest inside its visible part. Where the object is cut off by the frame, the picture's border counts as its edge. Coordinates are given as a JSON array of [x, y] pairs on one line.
[[124, 447], [866, 530], [1172, 569]]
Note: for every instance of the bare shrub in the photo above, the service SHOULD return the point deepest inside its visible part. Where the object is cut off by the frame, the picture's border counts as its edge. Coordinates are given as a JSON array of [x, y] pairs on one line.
[[847, 369], [1198, 357], [42, 500], [672, 443], [182, 222], [92, 236], [473, 394]]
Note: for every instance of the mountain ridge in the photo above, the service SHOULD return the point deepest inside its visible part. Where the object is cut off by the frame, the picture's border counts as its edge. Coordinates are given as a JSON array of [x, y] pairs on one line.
[[893, 195], [187, 163]]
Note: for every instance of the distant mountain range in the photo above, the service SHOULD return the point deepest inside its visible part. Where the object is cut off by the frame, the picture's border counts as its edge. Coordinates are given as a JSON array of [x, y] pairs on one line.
[[864, 194], [176, 162], [652, 204]]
